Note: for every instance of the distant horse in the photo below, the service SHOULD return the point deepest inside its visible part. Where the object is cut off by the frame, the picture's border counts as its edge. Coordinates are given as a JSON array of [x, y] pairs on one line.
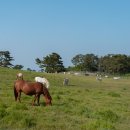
[[19, 76], [42, 80], [99, 78], [65, 81], [31, 89], [116, 78]]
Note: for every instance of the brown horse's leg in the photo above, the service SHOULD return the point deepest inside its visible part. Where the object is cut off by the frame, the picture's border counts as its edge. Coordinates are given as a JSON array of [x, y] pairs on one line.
[[38, 98], [15, 94], [19, 96], [35, 98]]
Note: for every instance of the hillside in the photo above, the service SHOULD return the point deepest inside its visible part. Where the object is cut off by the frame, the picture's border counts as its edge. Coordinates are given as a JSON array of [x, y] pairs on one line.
[[86, 104]]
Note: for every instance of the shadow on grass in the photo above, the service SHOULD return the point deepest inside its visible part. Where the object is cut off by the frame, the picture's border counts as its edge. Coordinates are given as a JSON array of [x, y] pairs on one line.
[[36, 105]]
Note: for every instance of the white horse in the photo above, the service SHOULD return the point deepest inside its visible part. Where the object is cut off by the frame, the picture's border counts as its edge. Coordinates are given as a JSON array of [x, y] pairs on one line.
[[99, 78], [42, 80], [116, 78]]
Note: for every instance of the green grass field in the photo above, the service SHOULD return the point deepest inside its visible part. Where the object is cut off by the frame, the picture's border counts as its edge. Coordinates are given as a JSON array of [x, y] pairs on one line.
[[86, 104]]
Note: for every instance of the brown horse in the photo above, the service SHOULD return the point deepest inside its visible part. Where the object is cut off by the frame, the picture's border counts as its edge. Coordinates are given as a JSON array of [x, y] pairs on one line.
[[28, 88]]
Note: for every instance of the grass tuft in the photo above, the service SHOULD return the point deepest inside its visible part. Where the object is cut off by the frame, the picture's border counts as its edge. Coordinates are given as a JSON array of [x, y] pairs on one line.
[[113, 94]]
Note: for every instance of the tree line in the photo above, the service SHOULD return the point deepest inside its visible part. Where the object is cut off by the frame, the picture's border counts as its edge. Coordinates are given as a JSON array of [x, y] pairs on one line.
[[111, 63]]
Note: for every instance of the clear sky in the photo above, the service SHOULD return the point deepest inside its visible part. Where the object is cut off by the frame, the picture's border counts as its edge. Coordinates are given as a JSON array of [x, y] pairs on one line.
[[32, 29]]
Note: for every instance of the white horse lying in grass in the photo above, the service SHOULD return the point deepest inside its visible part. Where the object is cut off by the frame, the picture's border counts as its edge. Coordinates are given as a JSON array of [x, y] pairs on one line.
[[43, 81], [116, 78]]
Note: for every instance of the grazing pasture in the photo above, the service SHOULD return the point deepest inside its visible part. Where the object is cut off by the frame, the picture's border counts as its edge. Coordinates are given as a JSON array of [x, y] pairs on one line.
[[85, 104]]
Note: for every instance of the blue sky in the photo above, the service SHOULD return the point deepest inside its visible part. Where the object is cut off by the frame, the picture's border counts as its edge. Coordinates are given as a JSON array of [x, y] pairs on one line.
[[32, 29]]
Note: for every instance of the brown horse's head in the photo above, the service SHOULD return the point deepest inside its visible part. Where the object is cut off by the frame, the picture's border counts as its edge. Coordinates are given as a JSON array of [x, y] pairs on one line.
[[47, 96], [48, 100]]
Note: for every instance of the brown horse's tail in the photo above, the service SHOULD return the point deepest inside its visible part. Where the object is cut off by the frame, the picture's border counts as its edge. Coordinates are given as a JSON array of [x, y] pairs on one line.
[[15, 94]]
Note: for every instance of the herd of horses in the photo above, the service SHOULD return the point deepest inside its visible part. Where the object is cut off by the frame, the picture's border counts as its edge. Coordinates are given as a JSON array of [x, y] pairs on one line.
[[36, 88]]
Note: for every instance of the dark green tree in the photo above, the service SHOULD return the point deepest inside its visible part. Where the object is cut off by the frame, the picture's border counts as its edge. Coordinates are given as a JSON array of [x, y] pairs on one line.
[[40, 63], [5, 59], [78, 62], [51, 63], [88, 62], [28, 69], [116, 63], [19, 67]]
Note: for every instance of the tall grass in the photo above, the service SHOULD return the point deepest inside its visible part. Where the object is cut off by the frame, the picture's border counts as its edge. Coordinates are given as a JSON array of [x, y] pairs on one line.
[[85, 104]]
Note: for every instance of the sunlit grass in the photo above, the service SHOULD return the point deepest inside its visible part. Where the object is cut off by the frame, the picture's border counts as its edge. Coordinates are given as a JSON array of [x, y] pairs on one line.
[[86, 104]]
